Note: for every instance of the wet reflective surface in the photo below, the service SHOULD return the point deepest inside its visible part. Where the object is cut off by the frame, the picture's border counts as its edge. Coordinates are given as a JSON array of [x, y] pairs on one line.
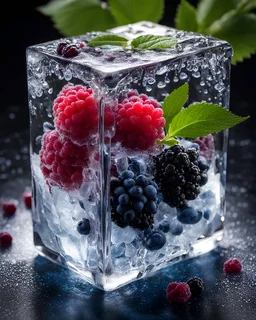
[[33, 288]]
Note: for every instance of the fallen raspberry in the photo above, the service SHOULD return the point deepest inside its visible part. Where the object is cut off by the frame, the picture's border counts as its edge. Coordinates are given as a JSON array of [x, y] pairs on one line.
[[178, 292], [9, 208], [5, 240], [62, 161], [76, 113], [27, 198], [232, 265], [207, 146], [139, 121]]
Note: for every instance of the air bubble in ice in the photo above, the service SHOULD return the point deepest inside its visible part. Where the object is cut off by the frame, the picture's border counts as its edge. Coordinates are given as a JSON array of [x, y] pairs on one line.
[[151, 81], [68, 75]]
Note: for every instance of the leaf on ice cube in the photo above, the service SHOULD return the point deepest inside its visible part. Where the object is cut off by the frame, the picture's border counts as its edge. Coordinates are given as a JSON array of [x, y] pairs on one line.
[[108, 39], [151, 42]]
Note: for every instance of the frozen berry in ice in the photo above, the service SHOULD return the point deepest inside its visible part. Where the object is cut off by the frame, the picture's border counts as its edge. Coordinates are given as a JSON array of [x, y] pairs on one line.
[[196, 286], [207, 146], [188, 215], [176, 228], [83, 227], [164, 226], [178, 292], [5, 240], [232, 265], [60, 47], [70, 51], [155, 240], [27, 198], [9, 208]]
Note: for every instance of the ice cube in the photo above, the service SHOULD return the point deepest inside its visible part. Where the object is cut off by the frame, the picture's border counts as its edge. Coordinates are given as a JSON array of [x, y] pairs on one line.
[[120, 235], [122, 265], [130, 250], [118, 250], [93, 258]]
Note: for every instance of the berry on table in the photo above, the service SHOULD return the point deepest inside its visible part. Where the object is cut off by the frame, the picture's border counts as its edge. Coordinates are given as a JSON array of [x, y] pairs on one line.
[[9, 208], [139, 122], [232, 265], [188, 215], [155, 240], [83, 227], [196, 285], [5, 240], [178, 292], [27, 198]]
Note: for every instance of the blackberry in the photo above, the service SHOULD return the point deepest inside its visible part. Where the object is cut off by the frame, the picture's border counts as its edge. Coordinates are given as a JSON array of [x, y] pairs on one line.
[[196, 285], [179, 174], [133, 200]]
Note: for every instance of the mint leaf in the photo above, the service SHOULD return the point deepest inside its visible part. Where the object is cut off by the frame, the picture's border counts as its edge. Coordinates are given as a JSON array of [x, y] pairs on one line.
[[186, 17], [74, 17], [201, 119], [169, 142], [209, 11], [150, 42], [130, 11], [108, 39], [174, 102], [239, 31]]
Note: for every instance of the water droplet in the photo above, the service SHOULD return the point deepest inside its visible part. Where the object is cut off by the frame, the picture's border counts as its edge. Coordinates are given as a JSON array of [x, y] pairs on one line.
[[68, 75], [148, 88], [175, 79], [162, 70], [50, 91], [183, 76], [151, 81], [205, 91], [161, 84], [196, 74], [202, 83]]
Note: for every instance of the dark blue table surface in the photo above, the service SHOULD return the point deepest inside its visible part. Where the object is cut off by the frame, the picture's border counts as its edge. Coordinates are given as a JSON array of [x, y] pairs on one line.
[[33, 288]]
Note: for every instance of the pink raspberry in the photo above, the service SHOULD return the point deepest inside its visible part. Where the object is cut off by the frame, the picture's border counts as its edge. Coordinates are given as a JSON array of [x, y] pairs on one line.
[[207, 146], [9, 208], [27, 198], [139, 121], [62, 161], [232, 265], [5, 240], [178, 292], [76, 113]]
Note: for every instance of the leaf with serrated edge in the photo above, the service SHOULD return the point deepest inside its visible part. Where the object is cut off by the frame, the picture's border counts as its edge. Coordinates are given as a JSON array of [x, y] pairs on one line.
[[174, 102], [186, 17], [201, 119], [108, 39], [130, 11], [150, 42]]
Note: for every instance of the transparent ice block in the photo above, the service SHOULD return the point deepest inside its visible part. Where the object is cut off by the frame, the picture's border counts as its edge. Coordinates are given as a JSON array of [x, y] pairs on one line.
[[112, 255]]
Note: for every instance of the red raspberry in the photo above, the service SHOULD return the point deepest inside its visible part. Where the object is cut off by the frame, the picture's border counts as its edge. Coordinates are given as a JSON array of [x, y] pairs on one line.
[[76, 113], [178, 292], [139, 121], [233, 265], [207, 146], [62, 161], [27, 198], [9, 208], [5, 239]]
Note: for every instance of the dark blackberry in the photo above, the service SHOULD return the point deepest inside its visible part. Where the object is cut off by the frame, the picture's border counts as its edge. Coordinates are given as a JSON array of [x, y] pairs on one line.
[[196, 285], [179, 175], [133, 200]]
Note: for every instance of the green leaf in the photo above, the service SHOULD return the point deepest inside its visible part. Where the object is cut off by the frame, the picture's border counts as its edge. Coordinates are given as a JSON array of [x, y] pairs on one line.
[[150, 42], [239, 31], [201, 119], [108, 39], [74, 17], [186, 17], [130, 11], [209, 11], [174, 102], [169, 142]]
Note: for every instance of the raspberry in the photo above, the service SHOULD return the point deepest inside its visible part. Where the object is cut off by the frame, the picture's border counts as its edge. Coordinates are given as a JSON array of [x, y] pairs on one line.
[[70, 51], [178, 292], [62, 161], [232, 265], [139, 121], [178, 175], [27, 198], [77, 115], [61, 46], [5, 239], [207, 146], [9, 208], [196, 285]]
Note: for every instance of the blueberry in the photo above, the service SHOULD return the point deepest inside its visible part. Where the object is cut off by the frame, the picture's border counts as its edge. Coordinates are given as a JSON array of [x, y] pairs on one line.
[[126, 174], [129, 183], [207, 214], [143, 199], [129, 215], [136, 191], [203, 163], [148, 231], [176, 228], [136, 166], [119, 190], [189, 216], [195, 146], [114, 202], [204, 178], [83, 227], [154, 184], [155, 241], [151, 207], [142, 181], [123, 199], [164, 226], [137, 206], [150, 192], [121, 209]]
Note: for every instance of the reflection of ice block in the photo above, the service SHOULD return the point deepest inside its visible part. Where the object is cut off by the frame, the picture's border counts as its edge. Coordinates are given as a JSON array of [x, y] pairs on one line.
[[98, 114]]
